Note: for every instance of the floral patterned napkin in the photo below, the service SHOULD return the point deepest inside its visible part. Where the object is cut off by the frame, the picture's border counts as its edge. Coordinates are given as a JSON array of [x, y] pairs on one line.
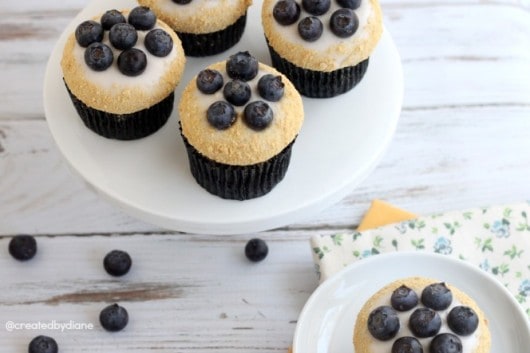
[[497, 239]]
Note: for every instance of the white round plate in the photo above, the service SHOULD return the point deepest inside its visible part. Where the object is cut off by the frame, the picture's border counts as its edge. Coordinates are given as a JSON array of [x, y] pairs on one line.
[[326, 322], [341, 141]]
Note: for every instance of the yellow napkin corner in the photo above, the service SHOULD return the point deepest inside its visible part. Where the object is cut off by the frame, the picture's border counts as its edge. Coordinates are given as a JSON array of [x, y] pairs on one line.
[[382, 213]]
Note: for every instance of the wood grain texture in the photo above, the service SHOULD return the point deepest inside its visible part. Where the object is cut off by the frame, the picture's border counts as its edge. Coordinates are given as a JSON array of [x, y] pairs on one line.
[[462, 141]]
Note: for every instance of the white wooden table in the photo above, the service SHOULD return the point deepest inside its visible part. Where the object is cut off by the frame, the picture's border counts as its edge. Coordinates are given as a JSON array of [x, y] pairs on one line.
[[462, 141]]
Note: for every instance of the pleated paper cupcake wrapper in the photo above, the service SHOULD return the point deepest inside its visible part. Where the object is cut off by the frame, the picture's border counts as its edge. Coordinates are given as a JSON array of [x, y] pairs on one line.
[[213, 43], [125, 126], [319, 84], [238, 182]]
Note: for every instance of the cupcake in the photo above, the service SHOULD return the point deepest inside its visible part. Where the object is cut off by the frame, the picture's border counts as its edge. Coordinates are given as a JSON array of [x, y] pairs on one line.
[[322, 46], [418, 314], [205, 27], [239, 120], [121, 70]]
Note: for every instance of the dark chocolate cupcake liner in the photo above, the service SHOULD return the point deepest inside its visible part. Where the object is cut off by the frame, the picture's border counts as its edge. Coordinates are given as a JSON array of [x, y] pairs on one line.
[[213, 43], [125, 126], [238, 182], [319, 84]]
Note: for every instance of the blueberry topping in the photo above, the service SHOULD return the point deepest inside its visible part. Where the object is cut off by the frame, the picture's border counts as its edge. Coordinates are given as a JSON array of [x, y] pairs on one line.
[[132, 62], [23, 247], [256, 250], [142, 18], [221, 115], [310, 28], [316, 7], [98, 56], [350, 4], [403, 298], [242, 66], [270, 87], [123, 36], [344, 23], [43, 344], [88, 32], [117, 263], [237, 92], [446, 343], [383, 323], [158, 42], [425, 322], [407, 344], [286, 12], [258, 115], [462, 320], [110, 18], [182, 2], [437, 296], [209, 81], [114, 318]]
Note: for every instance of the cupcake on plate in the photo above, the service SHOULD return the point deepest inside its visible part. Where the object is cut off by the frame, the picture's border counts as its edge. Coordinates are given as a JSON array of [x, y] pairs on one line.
[[239, 120], [205, 27], [121, 70], [322, 46]]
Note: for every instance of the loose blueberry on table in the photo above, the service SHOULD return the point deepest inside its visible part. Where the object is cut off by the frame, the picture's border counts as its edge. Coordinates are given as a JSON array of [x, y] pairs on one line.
[[117, 263], [114, 318], [23, 247], [43, 344], [256, 250]]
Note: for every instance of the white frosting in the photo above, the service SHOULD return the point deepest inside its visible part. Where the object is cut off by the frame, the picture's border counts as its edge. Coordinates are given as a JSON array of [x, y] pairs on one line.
[[328, 38], [112, 78], [469, 343]]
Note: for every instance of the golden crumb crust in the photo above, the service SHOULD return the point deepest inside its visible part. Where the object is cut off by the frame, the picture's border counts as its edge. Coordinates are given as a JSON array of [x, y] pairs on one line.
[[240, 145], [339, 54], [362, 339], [198, 16], [112, 98]]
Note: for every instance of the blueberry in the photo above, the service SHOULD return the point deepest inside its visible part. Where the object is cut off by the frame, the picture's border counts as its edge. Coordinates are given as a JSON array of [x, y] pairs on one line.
[[132, 62], [88, 32], [123, 36], [344, 23], [23, 247], [237, 92], [310, 28], [403, 298], [182, 2], [462, 320], [286, 12], [110, 18], [43, 344], [407, 344], [445, 343], [98, 56], [425, 322], [258, 115], [350, 4], [437, 296], [270, 87], [114, 318], [383, 323], [142, 18], [221, 115], [158, 42], [117, 263], [256, 250], [242, 66], [316, 7], [209, 81]]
